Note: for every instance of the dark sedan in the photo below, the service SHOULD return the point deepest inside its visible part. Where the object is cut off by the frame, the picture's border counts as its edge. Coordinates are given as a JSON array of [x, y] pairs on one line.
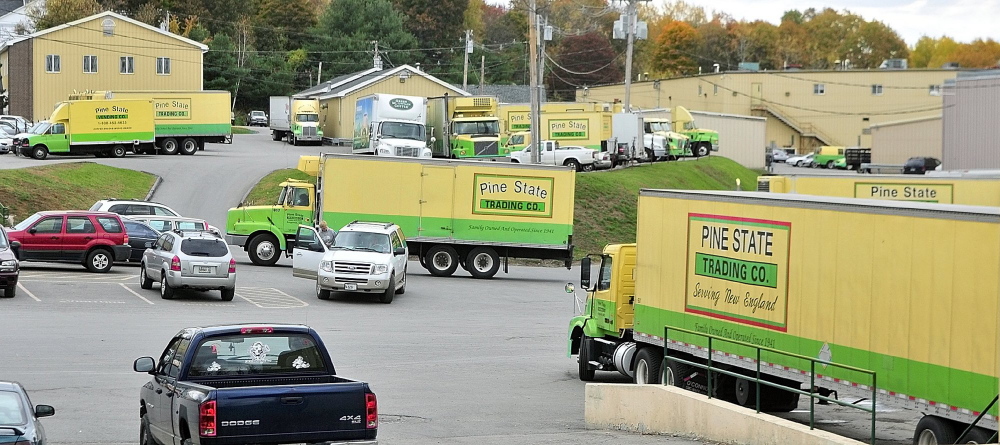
[[18, 420], [140, 238]]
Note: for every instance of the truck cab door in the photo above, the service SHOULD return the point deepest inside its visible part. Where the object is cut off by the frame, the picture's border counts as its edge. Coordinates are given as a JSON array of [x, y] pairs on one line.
[[58, 141], [297, 208], [603, 299], [160, 408], [307, 252]]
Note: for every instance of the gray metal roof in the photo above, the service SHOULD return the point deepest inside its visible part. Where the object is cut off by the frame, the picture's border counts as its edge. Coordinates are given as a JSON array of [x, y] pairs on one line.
[[508, 94], [325, 87]]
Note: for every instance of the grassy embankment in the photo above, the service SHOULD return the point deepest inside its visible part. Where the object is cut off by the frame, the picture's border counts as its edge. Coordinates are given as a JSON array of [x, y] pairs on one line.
[[70, 186], [243, 130], [606, 202]]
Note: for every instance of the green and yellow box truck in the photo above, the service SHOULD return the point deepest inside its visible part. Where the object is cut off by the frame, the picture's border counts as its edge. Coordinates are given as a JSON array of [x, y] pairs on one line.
[[464, 127], [570, 123], [915, 302], [978, 190], [110, 127], [452, 212], [184, 120]]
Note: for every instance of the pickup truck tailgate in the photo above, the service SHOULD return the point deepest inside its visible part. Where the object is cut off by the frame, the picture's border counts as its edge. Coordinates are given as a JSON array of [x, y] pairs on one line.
[[300, 413]]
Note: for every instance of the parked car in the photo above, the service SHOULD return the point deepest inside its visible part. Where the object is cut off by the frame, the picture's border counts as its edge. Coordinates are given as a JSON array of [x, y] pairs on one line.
[[257, 118], [140, 237], [6, 142], [20, 124], [189, 260], [603, 161], [132, 207], [779, 155], [579, 158], [261, 384], [826, 156], [9, 267], [801, 160], [920, 165], [19, 424], [365, 257], [94, 239], [9, 128], [168, 223]]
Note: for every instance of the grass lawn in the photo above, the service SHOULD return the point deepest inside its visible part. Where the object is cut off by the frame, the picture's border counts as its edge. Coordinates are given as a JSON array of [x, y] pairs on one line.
[[71, 186], [243, 130], [266, 190]]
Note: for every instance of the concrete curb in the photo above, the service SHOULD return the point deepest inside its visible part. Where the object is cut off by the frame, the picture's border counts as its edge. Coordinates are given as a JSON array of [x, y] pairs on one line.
[[156, 185]]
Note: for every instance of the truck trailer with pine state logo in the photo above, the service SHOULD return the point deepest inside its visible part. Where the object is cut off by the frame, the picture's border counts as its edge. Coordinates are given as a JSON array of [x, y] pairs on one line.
[[184, 121], [103, 128], [956, 188], [453, 212], [464, 127], [569, 123], [745, 274]]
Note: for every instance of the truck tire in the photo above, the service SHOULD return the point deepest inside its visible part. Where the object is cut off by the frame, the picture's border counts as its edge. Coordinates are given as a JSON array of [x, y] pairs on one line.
[[292, 140], [276, 135], [144, 281], [586, 372], [264, 250], [441, 260], [166, 292], [386, 297], [39, 152], [483, 262], [189, 146], [977, 435], [572, 163], [703, 149], [118, 151], [322, 294], [933, 430], [829, 165], [99, 260], [676, 373], [746, 393], [10, 291], [144, 436], [169, 146], [776, 400], [647, 366], [228, 294]]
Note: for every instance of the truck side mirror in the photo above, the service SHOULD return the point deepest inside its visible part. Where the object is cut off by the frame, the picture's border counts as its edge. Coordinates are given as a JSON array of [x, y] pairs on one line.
[[144, 364], [585, 273], [399, 251]]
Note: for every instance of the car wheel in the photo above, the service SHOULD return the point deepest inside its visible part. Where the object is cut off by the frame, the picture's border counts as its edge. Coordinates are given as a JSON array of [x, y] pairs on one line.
[[118, 151], [322, 294], [586, 372], [228, 294], [483, 262], [99, 260], [572, 163], [263, 250], [189, 146], [588, 167], [169, 146], [144, 281], [166, 292], [390, 291], [647, 366], [40, 152], [10, 291], [402, 288], [441, 261]]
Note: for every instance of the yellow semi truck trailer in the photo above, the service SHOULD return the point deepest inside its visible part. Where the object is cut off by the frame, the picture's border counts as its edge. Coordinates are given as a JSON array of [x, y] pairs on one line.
[[915, 302], [980, 190], [570, 123]]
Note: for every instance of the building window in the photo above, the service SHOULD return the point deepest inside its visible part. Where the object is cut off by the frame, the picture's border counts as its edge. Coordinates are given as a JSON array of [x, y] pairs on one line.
[[90, 64], [876, 90], [163, 65], [715, 90], [699, 90], [127, 65], [52, 63], [819, 89], [935, 90], [109, 27]]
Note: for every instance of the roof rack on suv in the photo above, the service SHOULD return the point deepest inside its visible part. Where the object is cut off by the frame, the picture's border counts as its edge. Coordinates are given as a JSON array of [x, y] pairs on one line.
[[182, 232], [384, 225]]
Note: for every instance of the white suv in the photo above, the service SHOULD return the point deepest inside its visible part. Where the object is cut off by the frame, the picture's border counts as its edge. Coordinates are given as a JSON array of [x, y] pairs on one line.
[[129, 207], [365, 257]]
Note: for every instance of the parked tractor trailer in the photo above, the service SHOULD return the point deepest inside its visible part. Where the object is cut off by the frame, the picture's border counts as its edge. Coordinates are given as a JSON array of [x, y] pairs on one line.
[[390, 125], [979, 190], [295, 120], [911, 303]]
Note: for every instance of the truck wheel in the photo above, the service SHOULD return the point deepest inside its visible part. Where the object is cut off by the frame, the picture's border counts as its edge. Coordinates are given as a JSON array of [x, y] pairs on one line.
[[322, 294], [586, 372], [118, 151], [166, 292], [10, 291], [40, 152], [775, 400], [228, 294], [676, 373], [144, 281], [588, 167], [390, 292], [703, 149], [263, 250], [292, 140], [977, 435], [572, 163], [144, 437], [483, 262], [441, 261], [276, 135], [647, 366], [189, 146], [829, 165], [99, 260], [169, 146], [933, 430]]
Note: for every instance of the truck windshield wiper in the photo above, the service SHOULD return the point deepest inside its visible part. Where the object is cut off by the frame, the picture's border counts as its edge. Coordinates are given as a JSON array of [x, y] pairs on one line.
[[366, 248]]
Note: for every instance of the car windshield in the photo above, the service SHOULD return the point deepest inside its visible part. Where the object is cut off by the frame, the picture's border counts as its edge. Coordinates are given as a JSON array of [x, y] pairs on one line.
[[402, 130], [659, 126], [256, 354], [204, 247], [40, 128], [517, 139], [373, 242], [11, 410], [480, 127], [307, 117], [23, 225], [257, 113]]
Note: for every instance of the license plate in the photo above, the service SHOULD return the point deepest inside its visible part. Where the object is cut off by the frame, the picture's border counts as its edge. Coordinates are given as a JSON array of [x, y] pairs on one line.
[[206, 269], [351, 286]]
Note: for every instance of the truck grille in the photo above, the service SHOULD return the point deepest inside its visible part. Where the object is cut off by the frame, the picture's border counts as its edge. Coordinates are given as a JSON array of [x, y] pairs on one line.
[[763, 186], [408, 151], [351, 280], [352, 268], [308, 131], [486, 148]]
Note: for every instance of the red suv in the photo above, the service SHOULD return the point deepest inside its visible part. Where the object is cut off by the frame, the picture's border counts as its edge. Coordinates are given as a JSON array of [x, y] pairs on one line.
[[94, 239]]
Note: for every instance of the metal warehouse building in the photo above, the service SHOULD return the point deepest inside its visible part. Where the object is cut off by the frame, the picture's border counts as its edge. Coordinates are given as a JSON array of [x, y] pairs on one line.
[[971, 130], [741, 138]]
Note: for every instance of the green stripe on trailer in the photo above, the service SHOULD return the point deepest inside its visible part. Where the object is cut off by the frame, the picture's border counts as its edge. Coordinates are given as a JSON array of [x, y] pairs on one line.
[[112, 138], [498, 230]]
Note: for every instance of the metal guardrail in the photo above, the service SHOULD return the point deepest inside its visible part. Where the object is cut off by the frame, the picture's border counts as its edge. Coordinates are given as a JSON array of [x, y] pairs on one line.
[[813, 396]]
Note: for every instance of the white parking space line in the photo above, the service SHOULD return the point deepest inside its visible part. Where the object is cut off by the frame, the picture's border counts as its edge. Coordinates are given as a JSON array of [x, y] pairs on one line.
[[269, 298], [28, 292], [135, 293]]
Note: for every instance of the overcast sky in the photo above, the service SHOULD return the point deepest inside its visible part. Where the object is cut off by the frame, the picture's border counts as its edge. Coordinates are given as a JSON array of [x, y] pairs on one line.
[[962, 20]]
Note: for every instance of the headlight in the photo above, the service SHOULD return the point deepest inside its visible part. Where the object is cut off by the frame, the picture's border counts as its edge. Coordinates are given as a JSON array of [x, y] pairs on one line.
[[381, 268], [326, 266], [8, 263]]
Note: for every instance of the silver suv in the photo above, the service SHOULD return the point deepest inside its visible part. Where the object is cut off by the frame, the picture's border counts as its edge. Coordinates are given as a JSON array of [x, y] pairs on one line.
[[189, 260], [365, 257]]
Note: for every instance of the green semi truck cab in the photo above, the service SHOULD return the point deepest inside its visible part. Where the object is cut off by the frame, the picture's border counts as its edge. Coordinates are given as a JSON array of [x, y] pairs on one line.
[[609, 309], [703, 141], [265, 230]]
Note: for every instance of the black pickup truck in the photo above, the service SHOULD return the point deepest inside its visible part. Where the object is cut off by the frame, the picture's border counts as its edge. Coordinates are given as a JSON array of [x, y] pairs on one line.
[[259, 384]]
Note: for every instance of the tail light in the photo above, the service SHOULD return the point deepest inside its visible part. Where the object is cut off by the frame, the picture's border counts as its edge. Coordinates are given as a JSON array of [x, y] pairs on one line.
[[206, 418], [371, 409], [175, 264], [126, 239], [232, 265]]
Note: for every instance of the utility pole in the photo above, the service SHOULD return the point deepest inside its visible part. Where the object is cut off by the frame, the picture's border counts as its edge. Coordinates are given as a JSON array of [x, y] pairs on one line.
[[533, 81], [468, 50], [542, 38], [482, 74], [630, 30], [319, 77]]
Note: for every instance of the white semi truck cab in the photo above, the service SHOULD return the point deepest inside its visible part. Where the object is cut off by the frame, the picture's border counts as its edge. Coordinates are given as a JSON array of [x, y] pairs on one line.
[[391, 125]]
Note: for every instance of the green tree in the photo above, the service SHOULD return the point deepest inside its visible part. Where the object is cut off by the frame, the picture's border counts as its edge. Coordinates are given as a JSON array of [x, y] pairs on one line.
[[944, 52], [222, 70], [675, 49], [435, 24], [872, 43], [922, 52], [58, 12], [347, 28], [281, 25], [473, 19]]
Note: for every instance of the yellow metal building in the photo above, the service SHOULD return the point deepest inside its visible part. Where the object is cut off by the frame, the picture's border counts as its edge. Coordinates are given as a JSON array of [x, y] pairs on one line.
[[337, 97], [804, 109], [105, 51]]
